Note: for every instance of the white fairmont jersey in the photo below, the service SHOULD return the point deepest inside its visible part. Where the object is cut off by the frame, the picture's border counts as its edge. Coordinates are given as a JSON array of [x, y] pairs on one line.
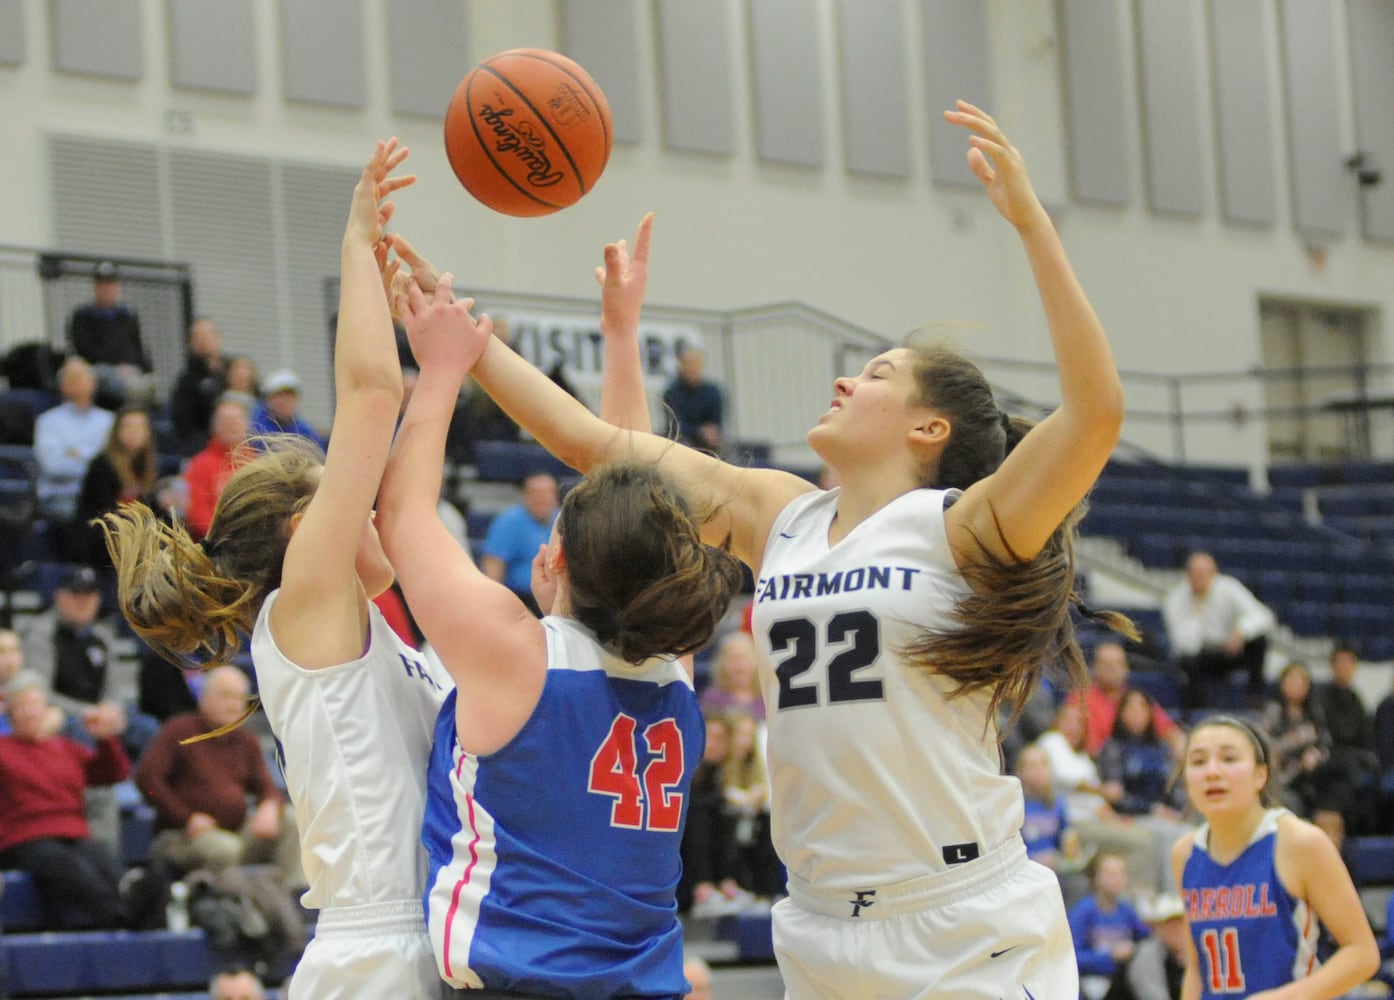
[[354, 742], [876, 777]]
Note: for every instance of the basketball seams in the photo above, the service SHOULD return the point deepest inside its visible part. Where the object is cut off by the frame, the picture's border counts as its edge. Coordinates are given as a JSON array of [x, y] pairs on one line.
[[543, 57], [575, 169], [488, 150]]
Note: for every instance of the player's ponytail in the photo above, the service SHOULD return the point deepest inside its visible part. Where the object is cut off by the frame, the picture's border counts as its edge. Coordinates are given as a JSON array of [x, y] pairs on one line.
[[195, 602], [1017, 620], [640, 577]]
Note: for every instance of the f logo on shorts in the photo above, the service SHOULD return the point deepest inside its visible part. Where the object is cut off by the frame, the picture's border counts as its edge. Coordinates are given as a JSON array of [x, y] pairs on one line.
[[862, 901]]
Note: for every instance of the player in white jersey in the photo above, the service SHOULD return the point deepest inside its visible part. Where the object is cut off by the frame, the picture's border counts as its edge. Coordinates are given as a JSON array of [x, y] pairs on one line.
[[292, 558], [908, 875]]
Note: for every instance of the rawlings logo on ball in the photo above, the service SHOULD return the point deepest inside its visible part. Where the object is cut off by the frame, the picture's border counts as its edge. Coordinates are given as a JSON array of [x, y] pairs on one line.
[[520, 140]]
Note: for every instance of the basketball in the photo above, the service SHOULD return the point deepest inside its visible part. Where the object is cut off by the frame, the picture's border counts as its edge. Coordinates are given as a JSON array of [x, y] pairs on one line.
[[528, 132]]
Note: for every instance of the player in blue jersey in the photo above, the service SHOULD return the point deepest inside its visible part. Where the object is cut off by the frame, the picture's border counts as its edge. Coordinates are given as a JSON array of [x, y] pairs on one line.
[[1258, 883], [896, 615], [291, 559], [559, 776]]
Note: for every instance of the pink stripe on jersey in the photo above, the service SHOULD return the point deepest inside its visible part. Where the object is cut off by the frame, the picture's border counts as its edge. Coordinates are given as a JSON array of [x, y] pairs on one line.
[[464, 879]]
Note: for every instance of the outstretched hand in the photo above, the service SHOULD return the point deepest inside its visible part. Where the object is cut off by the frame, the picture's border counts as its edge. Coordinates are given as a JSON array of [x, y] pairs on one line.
[[419, 271], [442, 332], [999, 166], [369, 213], [623, 281]]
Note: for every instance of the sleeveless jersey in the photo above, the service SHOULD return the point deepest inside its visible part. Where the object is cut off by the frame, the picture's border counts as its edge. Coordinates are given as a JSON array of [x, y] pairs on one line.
[[354, 741], [875, 776], [1250, 933], [554, 861]]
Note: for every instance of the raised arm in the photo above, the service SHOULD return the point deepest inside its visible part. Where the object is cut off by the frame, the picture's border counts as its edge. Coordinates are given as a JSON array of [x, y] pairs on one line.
[[623, 280], [743, 502], [488, 641], [320, 618], [1057, 462]]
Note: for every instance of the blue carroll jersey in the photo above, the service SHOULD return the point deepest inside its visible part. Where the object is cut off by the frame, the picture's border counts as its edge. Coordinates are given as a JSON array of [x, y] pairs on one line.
[[1250, 933], [554, 861]]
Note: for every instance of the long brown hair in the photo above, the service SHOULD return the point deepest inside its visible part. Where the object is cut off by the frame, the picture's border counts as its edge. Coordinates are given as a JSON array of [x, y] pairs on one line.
[[641, 579], [1017, 618], [195, 603], [134, 469]]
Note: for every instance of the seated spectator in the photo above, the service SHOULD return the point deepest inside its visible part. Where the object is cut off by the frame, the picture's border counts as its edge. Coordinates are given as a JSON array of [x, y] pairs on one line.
[[1158, 966], [1104, 925], [1046, 829], [165, 690], [243, 381], [1077, 783], [695, 404], [121, 472], [201, 383], [1138, 769], [199, 788], [66, 438], [208, 471], [11, 663], [1305, 779], [45, 833], [516, 533], [1109, 672], [236, 982], [70, 647], [1215, 626], [708, 867], [746, 785], [735, 683], [1352, 738], [279, 409], [106, 334]]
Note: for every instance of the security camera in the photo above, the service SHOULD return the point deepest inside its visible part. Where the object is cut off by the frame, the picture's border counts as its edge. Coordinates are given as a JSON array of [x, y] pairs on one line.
[[1362, 166]]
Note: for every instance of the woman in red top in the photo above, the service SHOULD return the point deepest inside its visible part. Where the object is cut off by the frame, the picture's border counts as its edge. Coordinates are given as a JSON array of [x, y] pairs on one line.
[[209, 470], [42, 780]]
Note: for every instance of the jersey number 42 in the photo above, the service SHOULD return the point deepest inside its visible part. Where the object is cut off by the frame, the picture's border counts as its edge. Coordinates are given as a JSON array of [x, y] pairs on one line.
[[644, 800]]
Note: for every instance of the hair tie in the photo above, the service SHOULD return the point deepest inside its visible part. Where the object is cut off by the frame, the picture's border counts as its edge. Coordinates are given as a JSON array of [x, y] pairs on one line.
[[1005, 419], [207, 546]]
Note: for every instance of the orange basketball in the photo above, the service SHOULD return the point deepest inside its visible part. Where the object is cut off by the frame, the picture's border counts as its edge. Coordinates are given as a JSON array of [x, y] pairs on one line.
[[528, 132]]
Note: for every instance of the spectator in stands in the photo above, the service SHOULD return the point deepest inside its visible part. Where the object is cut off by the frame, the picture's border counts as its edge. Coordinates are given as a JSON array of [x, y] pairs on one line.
[[106, 334], [121, 472], [199, 386], [165, 690], [695, 405], [1104, 925], [1352, 737], [279, 409], [66, 438], [71, 649], [1077, 782], [1305, 779], [699, 978], [1215, 626], [236, 982], [1137, 768], [1158, 966], [516, 533], [746, 784], [708, 869], [200, 788], [1109, 673], [1046, 830], [45, 833], [243, 380], [735, 685], [208, 471]]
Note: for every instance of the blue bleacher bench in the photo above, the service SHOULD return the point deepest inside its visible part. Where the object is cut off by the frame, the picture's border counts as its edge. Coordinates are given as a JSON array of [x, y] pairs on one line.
[[20, 909], [106, 961]]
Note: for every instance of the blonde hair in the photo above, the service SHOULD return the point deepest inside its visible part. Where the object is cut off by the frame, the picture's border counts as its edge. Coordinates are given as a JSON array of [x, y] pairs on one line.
[[196, 602]]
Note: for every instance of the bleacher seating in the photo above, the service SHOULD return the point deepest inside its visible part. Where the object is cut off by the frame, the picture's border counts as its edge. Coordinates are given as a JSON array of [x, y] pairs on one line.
[[512, 461], [1319, 581], [107, 961]]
